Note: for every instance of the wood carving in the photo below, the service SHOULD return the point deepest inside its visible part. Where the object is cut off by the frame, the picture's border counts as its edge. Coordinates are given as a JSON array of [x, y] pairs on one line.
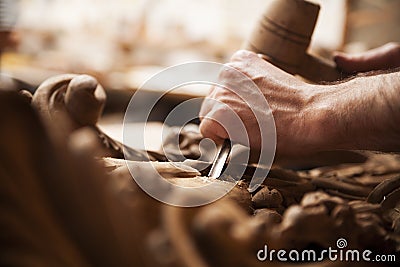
[[62, 205]]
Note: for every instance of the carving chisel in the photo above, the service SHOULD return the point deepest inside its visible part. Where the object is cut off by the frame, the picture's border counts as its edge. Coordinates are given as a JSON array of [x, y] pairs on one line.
[[220, 160]]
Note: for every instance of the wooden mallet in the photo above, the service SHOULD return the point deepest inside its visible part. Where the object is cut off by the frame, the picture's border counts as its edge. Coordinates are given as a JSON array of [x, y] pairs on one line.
[[282, 36]]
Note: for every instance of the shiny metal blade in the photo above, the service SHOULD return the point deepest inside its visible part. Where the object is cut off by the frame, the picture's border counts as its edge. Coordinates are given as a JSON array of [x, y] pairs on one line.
[[220, 160]]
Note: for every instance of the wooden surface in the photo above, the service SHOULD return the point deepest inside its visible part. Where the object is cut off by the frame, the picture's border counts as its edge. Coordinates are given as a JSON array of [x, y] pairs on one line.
[[152, 137]]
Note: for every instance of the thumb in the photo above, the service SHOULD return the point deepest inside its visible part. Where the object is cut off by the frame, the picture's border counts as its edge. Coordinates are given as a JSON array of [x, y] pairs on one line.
[[381, 58]]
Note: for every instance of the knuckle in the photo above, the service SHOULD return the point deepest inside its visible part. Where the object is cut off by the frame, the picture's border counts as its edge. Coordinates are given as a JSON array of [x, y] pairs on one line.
[[221, 113], [206, 128], [203, 111], [227, 71], [242, 54], [210, 128], [233, 74]]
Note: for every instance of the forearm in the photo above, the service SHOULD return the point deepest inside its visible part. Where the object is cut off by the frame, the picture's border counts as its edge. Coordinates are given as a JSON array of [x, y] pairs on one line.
[[363, 113]]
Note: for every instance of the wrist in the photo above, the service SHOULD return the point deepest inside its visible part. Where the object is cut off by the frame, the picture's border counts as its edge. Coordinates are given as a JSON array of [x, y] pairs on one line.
[[328, 117]]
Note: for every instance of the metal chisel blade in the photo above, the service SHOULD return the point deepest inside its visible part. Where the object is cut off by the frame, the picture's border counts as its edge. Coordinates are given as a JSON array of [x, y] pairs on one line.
[[220, 160]]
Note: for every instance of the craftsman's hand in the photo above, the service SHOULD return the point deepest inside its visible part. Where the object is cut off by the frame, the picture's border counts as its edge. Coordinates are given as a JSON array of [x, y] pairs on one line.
[[290, 100], [381, 58], [363, 113]]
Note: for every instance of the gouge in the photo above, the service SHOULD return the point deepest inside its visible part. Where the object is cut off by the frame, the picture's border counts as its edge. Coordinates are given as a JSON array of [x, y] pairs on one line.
[[220, 159]]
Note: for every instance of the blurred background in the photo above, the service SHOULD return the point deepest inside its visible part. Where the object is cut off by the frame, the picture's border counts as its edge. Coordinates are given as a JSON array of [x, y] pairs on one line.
[[123, 42]]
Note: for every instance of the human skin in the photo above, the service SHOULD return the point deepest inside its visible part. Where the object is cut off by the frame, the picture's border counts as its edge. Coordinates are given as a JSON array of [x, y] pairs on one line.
[[381, 58], [360, 113]]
